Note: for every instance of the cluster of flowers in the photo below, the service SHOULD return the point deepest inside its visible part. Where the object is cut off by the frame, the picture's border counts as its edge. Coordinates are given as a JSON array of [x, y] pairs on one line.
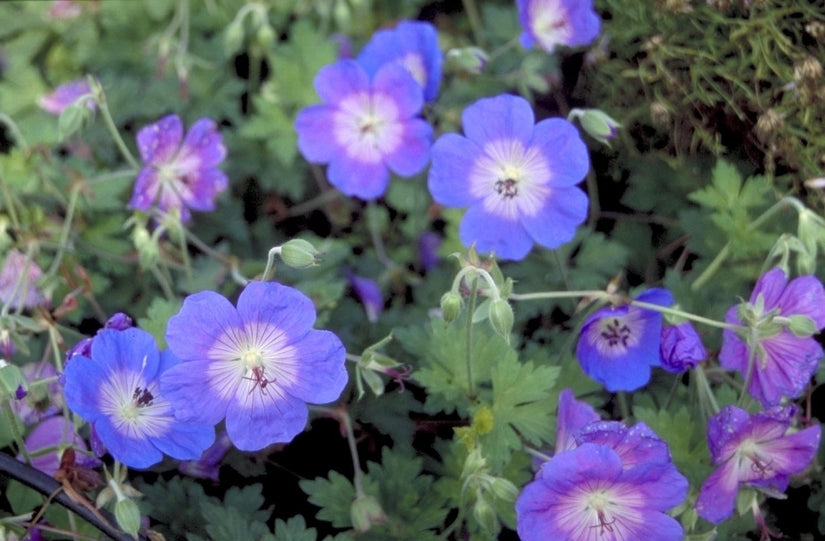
[[769, 342], [605, 481], [518, 178], [255, 366]]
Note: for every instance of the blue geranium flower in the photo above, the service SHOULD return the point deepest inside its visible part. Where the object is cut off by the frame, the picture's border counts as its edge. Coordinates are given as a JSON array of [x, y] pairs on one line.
[[365, 126], [412, 44], [518, 178], [557, 22], [256, 365], [116, 390], [618, 345]]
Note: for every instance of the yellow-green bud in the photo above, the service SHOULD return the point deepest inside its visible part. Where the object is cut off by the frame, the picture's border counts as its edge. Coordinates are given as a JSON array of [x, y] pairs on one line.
[[300, 254], [365, 512], [802, 326], [504, 489], [233, 38], [265, 37], [71, 120], [147, 246], [470, 60], [450, 306], [501, 317], [597, 124], [127, 515], [486, 516]]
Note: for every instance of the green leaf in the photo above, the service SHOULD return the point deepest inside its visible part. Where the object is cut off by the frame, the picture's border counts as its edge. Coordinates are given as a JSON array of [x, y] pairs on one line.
[[157, 316], [294, 529], [522, 408], [441, 353], [334, 496]]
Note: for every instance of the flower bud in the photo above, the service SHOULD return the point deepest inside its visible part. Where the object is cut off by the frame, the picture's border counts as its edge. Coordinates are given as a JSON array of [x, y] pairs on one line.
[[365, 512], [300, 254], [127, 515], [501, 318], [681, 348], [470, 60], [597, 124], [265, 37], [486, 516], [450, 306], [503, 489], [233, 38], [802, 326], [147, 246], [11, 379]]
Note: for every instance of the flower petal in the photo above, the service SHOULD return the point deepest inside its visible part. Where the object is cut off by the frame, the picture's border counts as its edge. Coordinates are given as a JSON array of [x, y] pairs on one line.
[[493, 233], [412, 152], [555, 224], [202, 320], [146, 189], [315, 371], [453, 159], [561, 144], [256, 419], [195, 393], [362, 179], [186, 441], [340, 79], [396, 83], [137, 453], [718, 494], [500, 117], [282, 307], [315, 140], [203, 145], [158, 143]]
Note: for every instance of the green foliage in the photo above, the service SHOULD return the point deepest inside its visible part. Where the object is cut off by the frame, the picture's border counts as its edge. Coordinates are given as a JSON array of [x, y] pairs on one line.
[[157, 315]]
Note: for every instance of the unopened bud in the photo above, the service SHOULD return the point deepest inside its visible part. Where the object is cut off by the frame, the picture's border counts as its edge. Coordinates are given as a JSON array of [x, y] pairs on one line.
[[71, 120], [503, 489], [127, 515], [265, 37], [11, 379], [450, 306], [365, 512], [147, 246], [300, 254], [598, 124], [802, 326], [233, 38], [768, 123], [486, 516], [470, 60], [501, 318]]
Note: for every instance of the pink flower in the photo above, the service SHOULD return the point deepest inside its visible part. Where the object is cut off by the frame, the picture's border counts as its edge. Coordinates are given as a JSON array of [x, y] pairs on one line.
[[65, 95], [180, 173]]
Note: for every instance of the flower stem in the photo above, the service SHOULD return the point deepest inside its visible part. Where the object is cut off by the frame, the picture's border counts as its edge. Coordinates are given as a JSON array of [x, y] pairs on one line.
[[475, 21], [15, 431], [67, 227], [686, 315], [100, 98], [723, 254], [471, 308], [372, 222]]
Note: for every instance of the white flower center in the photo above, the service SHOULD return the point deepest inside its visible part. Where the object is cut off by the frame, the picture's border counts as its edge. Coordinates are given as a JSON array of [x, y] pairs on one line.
[[511, 179], [367, 126], [135, 407]]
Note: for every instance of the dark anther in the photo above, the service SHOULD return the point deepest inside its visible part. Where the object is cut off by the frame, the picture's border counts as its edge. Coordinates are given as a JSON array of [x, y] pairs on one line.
[[507, 188]]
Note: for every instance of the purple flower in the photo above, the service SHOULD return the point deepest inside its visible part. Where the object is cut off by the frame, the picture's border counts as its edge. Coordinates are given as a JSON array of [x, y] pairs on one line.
[[618, 345], [117, 391], [428, 245], [256, 365], [41, 401], [55, 434], [66, 95], [180, 174], [573, 415], [17, 281], [364, 126], [518, 178], [776, 362], [118, 322], [681, 347], [557, 22], [757, 450], [616, 483], [413, 45], [209, 464], [369, 293]]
